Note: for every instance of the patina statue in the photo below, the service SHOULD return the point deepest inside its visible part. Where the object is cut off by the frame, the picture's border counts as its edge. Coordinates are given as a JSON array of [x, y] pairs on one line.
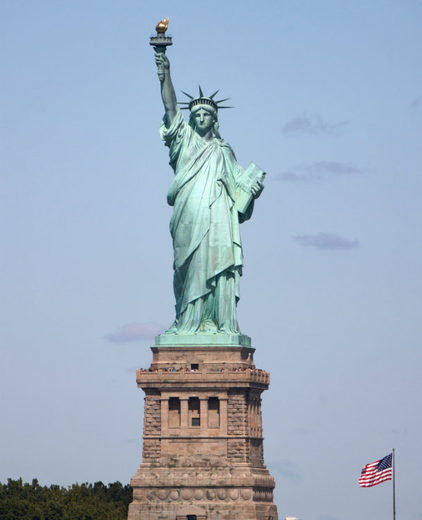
[[207, 211]]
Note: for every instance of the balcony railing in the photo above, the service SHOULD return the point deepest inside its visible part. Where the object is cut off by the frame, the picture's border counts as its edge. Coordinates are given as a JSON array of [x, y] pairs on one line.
[[248, 374]]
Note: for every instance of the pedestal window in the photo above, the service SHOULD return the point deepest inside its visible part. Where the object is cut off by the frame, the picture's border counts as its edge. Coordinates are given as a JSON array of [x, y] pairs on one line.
[[174, 412], [194, 412], [213, 412]]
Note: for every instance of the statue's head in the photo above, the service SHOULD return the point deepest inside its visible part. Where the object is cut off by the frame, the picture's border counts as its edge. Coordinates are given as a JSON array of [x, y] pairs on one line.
[[203, 112], [203, 118]]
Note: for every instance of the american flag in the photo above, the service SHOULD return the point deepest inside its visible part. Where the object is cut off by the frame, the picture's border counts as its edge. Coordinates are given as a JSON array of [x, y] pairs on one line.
[[377, 472]]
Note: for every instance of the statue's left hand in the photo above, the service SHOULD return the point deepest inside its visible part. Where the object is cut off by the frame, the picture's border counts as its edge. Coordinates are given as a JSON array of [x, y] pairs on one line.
[[256, 189]]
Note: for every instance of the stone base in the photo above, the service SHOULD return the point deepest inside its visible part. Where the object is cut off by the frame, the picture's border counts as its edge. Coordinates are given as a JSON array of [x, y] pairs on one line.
[[225, 493], [202, 443], [202, 511]]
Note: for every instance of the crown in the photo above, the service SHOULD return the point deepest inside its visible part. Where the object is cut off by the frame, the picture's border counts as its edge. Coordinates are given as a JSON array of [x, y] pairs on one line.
[[202, 100]]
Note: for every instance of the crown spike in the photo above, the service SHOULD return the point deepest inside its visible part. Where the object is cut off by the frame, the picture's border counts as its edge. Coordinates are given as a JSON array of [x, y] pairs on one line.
[[186, 94], [202, 100], [225, 107]]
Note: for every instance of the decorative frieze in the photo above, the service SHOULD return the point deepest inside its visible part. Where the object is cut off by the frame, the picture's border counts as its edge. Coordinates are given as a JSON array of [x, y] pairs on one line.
[[263, 495], [219, 494]]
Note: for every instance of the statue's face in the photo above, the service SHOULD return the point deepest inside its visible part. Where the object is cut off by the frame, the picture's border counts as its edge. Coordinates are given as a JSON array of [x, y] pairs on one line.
[[204, 121]]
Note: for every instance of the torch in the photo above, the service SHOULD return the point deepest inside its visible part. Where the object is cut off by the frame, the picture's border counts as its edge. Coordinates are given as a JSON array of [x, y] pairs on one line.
[[161, 41]]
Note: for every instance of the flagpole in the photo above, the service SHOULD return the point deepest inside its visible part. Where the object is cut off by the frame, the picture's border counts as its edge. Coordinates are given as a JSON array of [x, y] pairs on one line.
[[394, 486]]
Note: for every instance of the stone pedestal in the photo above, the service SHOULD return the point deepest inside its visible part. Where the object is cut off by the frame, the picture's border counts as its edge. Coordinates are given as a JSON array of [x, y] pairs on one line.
[[202, 442]]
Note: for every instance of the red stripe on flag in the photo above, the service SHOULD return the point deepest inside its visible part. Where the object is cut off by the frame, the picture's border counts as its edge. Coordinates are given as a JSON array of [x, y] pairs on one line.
[[371, 476]]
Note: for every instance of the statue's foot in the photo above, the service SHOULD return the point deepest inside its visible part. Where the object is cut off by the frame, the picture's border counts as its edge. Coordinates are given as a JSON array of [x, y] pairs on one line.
[[208, 327], [229, 328], [172, 329]]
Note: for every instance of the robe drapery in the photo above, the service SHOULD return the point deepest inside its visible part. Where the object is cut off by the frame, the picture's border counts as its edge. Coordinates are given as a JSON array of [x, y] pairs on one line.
[[205, 230]]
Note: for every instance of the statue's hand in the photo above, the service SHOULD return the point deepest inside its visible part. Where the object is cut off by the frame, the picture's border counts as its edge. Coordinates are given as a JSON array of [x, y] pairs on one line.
[[163, 65], [256, 189], [162, 60]]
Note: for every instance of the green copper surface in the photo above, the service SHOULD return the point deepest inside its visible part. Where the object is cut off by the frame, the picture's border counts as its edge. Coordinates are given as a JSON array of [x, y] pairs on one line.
[[205, 226], [202, 339]]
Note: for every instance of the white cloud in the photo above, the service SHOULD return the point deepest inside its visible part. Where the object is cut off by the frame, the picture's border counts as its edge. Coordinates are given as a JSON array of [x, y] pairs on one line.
[[416, 103], [311, 125], [334, 167], [326, 241], [134, 332], [289, 177], [318, 170]]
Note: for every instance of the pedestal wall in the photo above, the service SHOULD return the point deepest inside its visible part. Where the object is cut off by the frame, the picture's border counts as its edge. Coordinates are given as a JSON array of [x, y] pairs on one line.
[[202, 444]]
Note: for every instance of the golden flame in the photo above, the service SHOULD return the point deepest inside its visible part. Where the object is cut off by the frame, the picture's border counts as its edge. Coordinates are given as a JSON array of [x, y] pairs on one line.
[[162, 26]]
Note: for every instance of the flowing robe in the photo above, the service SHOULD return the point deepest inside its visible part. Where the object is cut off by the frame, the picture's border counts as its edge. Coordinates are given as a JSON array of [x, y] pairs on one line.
[[205, 230]]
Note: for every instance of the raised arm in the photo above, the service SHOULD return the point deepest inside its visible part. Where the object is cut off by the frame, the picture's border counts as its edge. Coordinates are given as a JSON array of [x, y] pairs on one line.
[[168, 94]]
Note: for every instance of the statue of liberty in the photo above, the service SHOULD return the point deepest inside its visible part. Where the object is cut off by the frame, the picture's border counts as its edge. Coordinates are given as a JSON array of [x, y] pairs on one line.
[[205, 227]]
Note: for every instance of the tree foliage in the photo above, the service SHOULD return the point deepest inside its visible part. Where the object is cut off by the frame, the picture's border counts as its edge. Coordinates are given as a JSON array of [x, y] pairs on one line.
[[24, 501]]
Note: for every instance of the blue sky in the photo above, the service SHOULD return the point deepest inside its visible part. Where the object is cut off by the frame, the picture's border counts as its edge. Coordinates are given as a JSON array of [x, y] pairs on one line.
[[328, 99]]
